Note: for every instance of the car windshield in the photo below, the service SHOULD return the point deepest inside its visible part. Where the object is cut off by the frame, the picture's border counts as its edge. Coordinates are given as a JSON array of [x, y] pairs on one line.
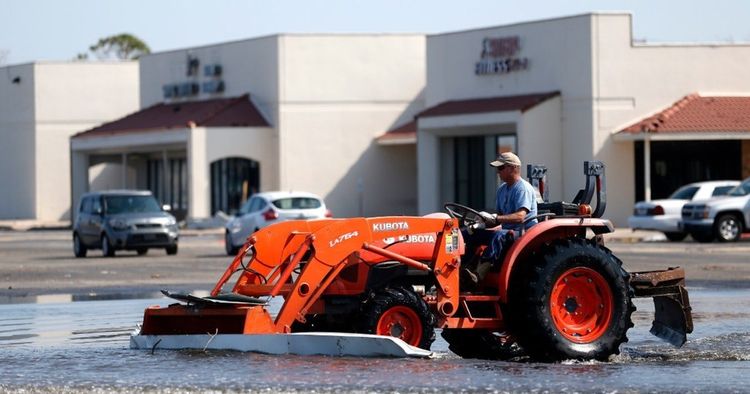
[[684, 193], [297, 203], [130, 204], [741, 189]]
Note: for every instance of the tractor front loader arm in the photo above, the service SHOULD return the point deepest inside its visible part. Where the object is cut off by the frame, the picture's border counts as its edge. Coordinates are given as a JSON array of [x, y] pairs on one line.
[[672, 316], [326, 247]]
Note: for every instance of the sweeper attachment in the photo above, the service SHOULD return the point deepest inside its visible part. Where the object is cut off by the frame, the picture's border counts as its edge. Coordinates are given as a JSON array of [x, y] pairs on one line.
[[381, 286]]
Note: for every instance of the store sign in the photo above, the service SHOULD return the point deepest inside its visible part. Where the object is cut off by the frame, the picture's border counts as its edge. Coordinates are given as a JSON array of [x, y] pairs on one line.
[[212, 84], [500, 56]]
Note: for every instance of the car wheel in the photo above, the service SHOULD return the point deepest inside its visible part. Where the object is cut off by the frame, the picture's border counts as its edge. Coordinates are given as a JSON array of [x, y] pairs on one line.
[[172, 250], [107, 249], [728, 228], [141, 251], [675, 237], [79, 249], [228, 246]]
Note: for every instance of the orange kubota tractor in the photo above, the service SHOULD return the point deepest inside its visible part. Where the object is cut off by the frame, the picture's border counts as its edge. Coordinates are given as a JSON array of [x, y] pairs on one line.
[[558, 292]]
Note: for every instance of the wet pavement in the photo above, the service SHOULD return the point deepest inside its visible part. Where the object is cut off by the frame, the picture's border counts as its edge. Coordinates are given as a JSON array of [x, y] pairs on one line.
[[64, 345]]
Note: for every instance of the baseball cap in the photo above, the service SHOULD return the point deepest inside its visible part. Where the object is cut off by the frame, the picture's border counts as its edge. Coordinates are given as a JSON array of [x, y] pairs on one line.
[[506, 158]]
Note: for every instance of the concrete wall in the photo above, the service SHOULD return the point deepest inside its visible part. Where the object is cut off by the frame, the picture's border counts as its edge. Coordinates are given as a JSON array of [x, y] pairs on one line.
[[339, 92], [634, 81], [208, 145], [73, 97], [51, 102], [539, 142], [248, 66], [559, 59], [17, 142]]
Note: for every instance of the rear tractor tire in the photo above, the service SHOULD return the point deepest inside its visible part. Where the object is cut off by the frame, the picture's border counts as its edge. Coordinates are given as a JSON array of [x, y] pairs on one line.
[[400, 313], [573, 302]]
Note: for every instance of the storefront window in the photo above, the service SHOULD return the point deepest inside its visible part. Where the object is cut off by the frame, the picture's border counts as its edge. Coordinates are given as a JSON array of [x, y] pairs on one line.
[[233, 181], [172, 188]]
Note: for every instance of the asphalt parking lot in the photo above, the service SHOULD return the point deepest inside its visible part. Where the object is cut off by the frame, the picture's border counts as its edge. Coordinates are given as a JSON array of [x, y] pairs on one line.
[[42, 262]]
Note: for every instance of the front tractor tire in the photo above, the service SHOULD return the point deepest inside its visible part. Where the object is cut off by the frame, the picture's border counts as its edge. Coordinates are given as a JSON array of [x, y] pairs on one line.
[[573, 302], [400, 313]]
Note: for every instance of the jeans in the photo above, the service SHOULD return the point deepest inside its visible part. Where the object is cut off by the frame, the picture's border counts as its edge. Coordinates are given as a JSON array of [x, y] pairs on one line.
[[495, 241]]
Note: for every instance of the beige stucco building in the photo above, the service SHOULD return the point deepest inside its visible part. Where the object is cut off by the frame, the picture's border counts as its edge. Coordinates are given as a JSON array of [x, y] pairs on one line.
[[41, 105], [377, 124], [559, 91], [321, 100]]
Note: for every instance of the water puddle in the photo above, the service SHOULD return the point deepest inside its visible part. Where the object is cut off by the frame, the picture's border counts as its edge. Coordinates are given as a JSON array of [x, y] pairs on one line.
[[70, 346]]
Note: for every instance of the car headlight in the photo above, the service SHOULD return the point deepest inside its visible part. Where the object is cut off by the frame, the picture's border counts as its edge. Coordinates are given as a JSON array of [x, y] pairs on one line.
[[234, 225], [118, 224], [171, 221]]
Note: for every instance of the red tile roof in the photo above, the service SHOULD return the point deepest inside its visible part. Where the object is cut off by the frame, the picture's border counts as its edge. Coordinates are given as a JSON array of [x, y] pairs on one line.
[[223, 112], [408, 132], [492, 104], [695, 113]]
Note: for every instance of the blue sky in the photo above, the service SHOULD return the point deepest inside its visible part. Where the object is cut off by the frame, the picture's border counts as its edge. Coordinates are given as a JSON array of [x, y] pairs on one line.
[[59, 29]]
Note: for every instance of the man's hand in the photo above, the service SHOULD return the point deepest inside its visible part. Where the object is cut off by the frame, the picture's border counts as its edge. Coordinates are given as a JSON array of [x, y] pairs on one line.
[[489, 219]]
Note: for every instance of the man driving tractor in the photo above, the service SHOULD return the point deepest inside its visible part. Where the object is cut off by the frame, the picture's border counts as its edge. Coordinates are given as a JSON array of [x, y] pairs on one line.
[[515, 201]]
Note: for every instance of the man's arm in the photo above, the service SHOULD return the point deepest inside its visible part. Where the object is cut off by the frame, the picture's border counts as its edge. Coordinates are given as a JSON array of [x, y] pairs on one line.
[[492, 220], [515, 217]]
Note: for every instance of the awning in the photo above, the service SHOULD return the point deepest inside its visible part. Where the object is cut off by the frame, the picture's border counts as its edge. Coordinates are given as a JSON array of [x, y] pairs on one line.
[[407, 133], [223, 112], [695, 117]]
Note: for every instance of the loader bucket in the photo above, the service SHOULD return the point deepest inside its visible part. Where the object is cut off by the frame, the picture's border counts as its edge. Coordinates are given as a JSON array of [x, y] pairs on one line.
[[673, 318]]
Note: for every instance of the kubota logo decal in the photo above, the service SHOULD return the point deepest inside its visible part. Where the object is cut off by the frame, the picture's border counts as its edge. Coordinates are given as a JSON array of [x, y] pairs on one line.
[[415, 238], [343, 237], [390, 226]]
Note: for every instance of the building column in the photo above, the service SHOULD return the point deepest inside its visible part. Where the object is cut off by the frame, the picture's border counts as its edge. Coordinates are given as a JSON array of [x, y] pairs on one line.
[[124, 171], [428, 176], [79, 180], [647, 168], [165, 180], [199, 193]]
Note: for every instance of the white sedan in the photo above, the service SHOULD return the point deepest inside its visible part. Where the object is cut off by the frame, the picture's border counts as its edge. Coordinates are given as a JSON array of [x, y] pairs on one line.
[[263, 209], [664, 215]]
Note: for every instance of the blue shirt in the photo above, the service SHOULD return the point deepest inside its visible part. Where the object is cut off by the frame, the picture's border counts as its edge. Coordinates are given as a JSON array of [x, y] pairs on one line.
[[511, 199]]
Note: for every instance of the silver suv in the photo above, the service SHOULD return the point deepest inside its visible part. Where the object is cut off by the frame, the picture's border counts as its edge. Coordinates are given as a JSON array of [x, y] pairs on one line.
[[125, 220], [724, 218]]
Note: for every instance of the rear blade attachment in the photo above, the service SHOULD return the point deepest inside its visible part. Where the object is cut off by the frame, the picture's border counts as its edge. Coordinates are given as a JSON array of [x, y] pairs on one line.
[[673, 318]]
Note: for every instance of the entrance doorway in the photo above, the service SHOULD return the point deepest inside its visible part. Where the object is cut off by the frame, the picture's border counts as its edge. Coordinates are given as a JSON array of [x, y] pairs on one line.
[[233, 181], [467, 177]]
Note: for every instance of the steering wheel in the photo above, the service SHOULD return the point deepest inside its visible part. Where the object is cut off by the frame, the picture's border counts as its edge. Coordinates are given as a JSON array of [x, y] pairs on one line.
[[466, 216]]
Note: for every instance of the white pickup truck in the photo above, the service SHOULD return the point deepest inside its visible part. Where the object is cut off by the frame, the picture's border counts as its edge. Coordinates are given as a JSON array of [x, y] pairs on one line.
[[724, 218]]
